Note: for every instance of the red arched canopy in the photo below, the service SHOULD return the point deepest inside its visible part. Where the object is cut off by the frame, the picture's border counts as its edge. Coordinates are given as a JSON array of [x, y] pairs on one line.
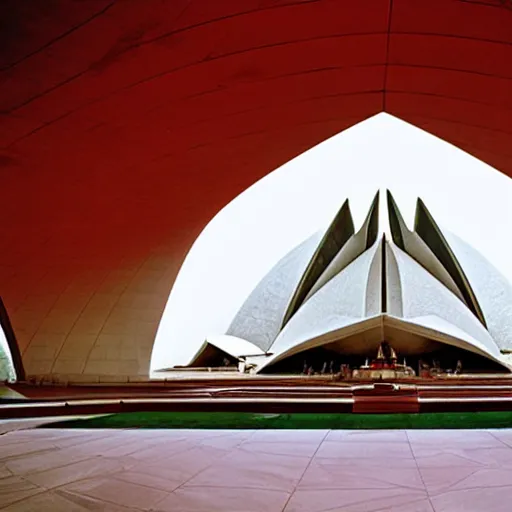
[[126, 125]]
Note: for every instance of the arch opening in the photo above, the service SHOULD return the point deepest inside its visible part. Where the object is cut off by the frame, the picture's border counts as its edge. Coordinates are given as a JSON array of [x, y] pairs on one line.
[[244, 240], [11, 365]]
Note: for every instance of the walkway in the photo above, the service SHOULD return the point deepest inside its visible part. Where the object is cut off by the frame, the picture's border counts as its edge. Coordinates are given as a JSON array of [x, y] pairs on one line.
[[265, 470]]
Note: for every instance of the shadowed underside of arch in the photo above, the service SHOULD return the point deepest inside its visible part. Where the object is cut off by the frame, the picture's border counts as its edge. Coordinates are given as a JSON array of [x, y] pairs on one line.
[[126, 125]]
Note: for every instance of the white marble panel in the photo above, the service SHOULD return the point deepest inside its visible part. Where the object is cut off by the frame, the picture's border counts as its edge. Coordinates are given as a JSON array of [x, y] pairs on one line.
[[493, 291], [260, 317], [341, 302], [425, 296]]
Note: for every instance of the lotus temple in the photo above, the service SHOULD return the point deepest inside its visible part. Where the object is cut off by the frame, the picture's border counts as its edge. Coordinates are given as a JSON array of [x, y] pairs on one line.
[[331, 303]]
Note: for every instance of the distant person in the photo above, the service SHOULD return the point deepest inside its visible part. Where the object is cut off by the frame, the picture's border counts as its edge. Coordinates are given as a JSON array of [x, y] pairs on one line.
[[323, 371]]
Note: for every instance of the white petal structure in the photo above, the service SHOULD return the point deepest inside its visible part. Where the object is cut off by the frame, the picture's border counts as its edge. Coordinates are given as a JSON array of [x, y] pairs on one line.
[[340, 303], [354, 246], [493, 291], [421, 333], [411, 242], [340, 231], [225, 345], [261, 316], [424, 297], [393, 284], [425, 292]]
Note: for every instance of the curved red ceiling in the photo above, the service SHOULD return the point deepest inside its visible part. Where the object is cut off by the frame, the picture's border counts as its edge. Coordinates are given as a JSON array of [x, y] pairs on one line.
[[125, 125]]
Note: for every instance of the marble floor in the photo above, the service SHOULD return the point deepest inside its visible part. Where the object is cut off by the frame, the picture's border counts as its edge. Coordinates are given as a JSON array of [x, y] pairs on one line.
[[266, 470]]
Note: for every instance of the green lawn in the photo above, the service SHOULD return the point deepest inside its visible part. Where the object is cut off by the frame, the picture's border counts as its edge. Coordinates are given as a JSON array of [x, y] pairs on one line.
[[223, 420]]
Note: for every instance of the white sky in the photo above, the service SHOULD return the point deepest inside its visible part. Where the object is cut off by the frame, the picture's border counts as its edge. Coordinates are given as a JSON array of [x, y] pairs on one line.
[[246, 238]]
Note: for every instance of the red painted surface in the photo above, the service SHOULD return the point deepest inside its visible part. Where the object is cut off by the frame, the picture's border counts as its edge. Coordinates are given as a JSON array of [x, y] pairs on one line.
[[126, 125]]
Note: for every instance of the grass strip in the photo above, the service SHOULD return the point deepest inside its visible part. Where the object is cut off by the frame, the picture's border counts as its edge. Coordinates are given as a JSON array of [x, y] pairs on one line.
[[238, 420]]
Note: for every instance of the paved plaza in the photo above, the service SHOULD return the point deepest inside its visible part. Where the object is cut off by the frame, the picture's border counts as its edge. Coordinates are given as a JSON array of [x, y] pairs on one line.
[[254, 470]]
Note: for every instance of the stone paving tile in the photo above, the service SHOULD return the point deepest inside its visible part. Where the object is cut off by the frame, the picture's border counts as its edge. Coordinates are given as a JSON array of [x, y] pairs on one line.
[[479, 499], [80, 470], [455, 479], [228, 441], [502, 434], [289, 436], [47, 460], [422, 505], [126, 494], [326, 474], [364, 450], [487, 478], [368, 462], [201, 470], [181, 467], [475, 457], [463, 439], [15, 488], [368, 436], [224, 499], [64, 501], [158, 481], [440, 479], [149, 452], [291, 449], [356, 500], [253, 471], [129, 448]]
